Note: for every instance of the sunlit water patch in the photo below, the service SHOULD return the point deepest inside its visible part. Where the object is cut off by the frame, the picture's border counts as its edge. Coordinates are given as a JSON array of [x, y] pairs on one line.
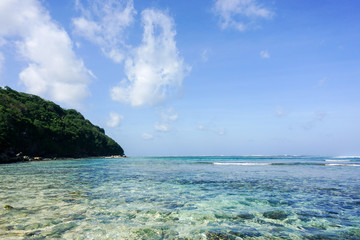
[[250, 197]]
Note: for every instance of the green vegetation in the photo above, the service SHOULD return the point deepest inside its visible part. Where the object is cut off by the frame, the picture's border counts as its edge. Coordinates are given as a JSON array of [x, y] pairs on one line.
[[36, 127]]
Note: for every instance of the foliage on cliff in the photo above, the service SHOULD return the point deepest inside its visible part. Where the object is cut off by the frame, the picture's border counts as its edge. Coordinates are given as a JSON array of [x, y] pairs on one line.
[[36, 127]]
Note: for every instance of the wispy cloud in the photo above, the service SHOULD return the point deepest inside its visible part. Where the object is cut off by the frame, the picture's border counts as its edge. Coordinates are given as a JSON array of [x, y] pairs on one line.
[[201, 127], [114, 119], [53, 70], [215, 130], [280, 111], [2, 59], [221, 132], [168, 116], [318, 117], [104, 23], [205, 55], [147, 136], [321, 83], [240, 14], [162, 127], [155, 70], [264, 54]]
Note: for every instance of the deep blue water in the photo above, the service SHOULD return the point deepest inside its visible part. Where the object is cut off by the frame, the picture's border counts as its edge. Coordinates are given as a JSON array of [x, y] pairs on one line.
[[246, 197]]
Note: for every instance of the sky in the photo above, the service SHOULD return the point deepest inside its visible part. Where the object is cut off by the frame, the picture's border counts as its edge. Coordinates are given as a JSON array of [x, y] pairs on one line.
[[203, 77]]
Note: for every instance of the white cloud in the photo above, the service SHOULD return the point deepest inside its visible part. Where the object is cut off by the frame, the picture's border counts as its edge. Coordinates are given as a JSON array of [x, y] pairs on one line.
[[103, 23], [221, 132], [168, 116], [212, 129], [114, 120], [162, 127], [264, 54], [280, 112], [147, 136], [155, 70], [201, 127], [240, 14], [2, 60], [53, 71], [205, 55], [92, 74]]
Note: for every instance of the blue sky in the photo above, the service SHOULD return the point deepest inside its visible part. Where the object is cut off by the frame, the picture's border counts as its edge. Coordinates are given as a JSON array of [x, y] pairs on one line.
[[221, 77]]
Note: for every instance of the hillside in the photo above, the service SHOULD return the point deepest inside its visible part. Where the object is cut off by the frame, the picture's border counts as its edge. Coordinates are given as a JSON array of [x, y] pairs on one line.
[[35, 127]]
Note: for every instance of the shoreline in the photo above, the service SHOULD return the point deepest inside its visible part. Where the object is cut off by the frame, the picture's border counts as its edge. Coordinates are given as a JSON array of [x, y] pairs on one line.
[[8, 158]]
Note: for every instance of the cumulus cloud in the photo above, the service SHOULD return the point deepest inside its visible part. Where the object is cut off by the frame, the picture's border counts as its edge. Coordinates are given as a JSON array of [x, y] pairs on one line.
[[168, 116], [264, 54], [114, 119], [240, 14], [53, 71], [103, 23], [154, 70], [147, 136]]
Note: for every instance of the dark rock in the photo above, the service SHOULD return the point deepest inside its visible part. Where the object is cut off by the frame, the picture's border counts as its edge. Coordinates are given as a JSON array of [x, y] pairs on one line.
[[246, 233], [246, 216], [8, 207], [278, 215], [238, 217], [219, 236]]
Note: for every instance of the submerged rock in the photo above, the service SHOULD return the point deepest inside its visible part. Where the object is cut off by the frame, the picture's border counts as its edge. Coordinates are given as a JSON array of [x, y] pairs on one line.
[[8, 207], [246, 233], [238, 217], [156, 233], [246, 216], [219, 236], [60, 229], [278, 215]]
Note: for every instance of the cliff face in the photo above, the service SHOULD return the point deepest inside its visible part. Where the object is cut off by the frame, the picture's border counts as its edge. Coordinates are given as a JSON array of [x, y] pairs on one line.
[[36, 127]]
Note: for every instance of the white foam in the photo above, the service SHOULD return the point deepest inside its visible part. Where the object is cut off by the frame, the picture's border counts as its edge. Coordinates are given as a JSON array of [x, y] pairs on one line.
[[334, 160], [240, 164], [343, 165], [347, 157]]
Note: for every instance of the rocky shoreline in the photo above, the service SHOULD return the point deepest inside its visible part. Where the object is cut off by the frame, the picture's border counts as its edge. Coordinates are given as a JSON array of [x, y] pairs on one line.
[[11, 157]]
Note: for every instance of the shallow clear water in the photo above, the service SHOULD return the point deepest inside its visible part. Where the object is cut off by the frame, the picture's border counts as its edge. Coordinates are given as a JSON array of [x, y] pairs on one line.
[[279, 197]]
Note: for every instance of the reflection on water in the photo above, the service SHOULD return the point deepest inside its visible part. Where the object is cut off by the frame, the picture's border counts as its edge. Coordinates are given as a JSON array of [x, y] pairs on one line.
[[182, 198]]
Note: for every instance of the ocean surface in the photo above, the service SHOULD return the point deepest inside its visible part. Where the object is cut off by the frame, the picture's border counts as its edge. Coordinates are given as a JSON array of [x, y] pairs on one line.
[[244, 197]]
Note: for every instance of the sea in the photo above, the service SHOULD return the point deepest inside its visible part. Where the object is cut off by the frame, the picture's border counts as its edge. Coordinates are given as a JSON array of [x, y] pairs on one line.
[[194, 197]]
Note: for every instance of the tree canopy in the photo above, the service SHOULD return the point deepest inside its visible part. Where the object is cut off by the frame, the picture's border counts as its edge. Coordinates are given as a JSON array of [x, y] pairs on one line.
[[36, 127]]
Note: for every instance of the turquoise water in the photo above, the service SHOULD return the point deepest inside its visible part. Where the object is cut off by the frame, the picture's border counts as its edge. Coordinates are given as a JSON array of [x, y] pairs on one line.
[[278, 197]]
